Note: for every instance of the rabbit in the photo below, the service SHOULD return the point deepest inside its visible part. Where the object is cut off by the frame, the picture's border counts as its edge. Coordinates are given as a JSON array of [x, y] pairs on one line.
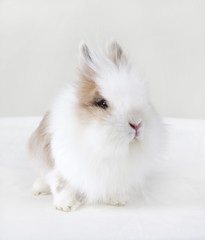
[[101, 137]]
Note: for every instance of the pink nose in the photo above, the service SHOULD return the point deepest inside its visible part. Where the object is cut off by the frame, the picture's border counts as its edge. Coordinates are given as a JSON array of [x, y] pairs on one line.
[[134, 126]]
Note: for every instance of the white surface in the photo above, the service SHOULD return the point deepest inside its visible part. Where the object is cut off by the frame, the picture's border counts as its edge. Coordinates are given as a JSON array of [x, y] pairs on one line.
[[39, 42], [23, 216]]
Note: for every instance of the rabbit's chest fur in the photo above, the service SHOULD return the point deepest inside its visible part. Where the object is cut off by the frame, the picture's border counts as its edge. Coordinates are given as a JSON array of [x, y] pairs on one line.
[[95, 176]]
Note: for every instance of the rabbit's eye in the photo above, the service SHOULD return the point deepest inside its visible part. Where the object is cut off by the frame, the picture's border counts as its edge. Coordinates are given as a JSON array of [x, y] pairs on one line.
[[102, 103]]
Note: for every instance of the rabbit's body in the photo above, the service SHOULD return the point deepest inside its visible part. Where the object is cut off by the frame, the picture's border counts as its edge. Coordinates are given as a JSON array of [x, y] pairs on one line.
[[104, 135]]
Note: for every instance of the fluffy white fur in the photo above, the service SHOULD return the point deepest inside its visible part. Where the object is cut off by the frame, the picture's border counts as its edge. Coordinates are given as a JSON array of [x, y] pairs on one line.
[[101, 160]]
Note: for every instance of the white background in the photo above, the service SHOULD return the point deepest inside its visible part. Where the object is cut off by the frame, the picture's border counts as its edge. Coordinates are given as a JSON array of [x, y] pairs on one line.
[[39, 43]]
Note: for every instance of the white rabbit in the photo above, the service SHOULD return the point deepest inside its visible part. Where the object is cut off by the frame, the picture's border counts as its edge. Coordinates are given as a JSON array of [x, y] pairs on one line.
[[101, 137]]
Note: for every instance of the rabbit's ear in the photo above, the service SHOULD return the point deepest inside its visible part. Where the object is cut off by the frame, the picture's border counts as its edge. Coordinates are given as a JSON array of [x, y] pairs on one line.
[[88, 61], [116, 54], [85, 53]]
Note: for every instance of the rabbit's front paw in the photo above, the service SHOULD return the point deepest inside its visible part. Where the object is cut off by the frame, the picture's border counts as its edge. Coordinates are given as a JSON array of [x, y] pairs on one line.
[[66, 203], [40, 187]]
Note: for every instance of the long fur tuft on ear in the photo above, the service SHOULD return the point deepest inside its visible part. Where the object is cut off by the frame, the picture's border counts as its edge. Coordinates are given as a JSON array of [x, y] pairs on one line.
[[115, 53]]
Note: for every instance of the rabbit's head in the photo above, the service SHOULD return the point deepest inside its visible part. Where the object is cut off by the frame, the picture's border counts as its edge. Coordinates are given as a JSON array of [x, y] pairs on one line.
[[113, 109]]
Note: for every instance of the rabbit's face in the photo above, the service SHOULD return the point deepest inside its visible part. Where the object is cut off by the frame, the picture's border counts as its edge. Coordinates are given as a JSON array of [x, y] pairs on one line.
[[113, 104]]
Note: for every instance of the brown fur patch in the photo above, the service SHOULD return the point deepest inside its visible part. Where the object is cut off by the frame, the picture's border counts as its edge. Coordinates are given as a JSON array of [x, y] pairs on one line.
[[88, 91], [88, 94], [39, 146]]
